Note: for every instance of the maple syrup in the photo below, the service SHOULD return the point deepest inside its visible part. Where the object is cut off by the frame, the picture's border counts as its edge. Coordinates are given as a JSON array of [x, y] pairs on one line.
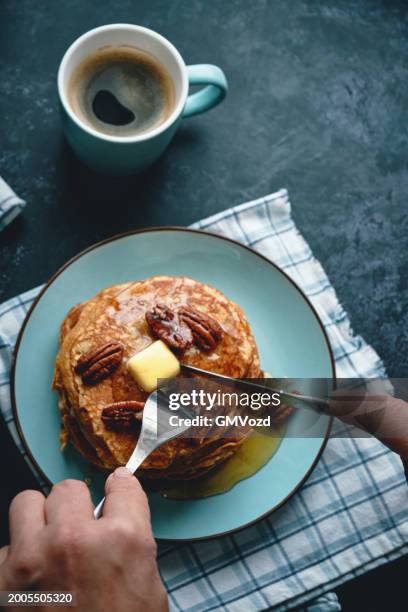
[[253, 454]]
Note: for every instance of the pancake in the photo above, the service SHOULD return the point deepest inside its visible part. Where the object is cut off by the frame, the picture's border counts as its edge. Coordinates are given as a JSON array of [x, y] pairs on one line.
[[118, 314]]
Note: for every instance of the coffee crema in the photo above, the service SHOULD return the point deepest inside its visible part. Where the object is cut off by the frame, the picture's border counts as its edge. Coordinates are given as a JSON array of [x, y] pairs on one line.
[[121, 91]]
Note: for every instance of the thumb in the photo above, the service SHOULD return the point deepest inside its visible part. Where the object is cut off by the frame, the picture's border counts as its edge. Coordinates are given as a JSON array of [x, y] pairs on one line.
[[125, 498]]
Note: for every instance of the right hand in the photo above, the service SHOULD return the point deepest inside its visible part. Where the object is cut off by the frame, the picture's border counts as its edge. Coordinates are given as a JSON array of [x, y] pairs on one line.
[[57, 545]]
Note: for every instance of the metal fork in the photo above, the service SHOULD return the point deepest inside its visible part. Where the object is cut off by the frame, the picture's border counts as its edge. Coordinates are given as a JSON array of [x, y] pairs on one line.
[[155, 412]]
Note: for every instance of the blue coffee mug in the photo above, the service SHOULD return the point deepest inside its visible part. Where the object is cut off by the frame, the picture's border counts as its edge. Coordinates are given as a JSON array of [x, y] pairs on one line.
[[122, 155]]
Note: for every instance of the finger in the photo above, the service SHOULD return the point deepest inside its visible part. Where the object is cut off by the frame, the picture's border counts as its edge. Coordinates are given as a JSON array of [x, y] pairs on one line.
[[125, 498], [344, 404], [392, 429], [362, 410], [382, 416], [26, 519], [69, 502]]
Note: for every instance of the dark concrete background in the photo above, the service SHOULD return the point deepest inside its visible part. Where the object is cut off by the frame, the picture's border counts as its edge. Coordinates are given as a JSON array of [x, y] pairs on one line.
[[317, 104]]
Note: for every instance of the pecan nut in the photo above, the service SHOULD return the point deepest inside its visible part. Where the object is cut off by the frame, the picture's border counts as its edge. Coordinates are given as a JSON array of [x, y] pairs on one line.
[[100, 362], [207, 332], [122, 416], [167, 326]]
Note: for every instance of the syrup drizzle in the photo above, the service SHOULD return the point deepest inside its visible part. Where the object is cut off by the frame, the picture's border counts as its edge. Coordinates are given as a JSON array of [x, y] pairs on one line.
[[254, 453]]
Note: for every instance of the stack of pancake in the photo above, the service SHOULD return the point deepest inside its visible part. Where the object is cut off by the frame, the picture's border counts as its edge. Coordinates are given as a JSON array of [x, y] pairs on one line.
[[118, 314]]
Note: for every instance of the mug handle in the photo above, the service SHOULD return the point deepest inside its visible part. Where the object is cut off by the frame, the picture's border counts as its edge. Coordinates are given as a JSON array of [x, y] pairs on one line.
[[211, 95]]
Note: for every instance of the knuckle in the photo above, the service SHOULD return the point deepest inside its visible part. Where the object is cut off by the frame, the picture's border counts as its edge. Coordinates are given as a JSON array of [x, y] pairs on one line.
[[24, 567], [127, 536], [123, 533], [66, 540]]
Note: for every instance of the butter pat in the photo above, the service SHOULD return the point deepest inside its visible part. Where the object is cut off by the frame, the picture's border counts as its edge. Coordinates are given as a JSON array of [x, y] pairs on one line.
[[154, 362]]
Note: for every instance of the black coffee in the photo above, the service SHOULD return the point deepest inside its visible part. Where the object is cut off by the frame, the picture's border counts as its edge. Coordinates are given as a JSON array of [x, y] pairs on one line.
[[121, 91]]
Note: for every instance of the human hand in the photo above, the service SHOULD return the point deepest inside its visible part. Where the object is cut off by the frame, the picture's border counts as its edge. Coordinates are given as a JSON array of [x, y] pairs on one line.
[[57, 545], [383, 416]]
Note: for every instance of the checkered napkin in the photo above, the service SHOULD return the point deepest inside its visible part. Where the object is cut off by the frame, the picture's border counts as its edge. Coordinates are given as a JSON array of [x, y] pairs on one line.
[[10, 204], [349, 517]]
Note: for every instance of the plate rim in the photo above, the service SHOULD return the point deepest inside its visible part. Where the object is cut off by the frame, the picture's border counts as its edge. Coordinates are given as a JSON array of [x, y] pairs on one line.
[[171, 228]]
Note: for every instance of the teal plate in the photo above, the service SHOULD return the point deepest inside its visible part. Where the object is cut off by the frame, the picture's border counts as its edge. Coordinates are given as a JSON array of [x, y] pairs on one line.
[[290, 337]]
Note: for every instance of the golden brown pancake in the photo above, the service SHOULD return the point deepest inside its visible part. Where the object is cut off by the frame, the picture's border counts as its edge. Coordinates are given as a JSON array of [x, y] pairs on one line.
[[118, 314]]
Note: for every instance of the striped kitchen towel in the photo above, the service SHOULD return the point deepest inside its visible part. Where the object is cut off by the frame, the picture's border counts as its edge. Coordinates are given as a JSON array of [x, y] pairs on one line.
[[349, 517], [10, 204]]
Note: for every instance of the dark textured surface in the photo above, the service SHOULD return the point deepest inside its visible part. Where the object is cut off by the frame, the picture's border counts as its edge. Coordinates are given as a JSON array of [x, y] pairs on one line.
[[317, 104]]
